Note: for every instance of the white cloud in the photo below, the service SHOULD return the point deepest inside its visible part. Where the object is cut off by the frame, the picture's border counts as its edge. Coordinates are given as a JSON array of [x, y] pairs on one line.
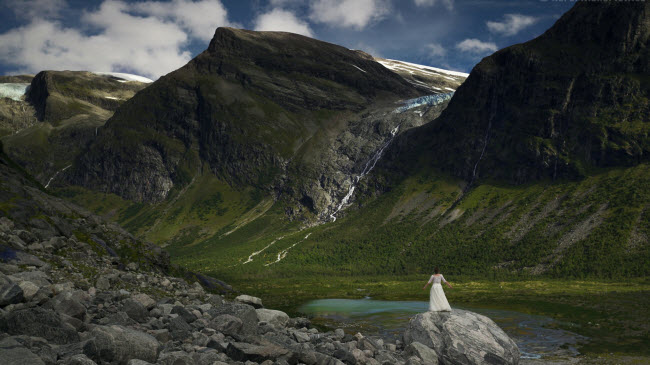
[[200, 18], [473, 45], [511, 24], [33, 9], [435, 50], [148, 38], [449, 4], [282, 20], [356, 14]]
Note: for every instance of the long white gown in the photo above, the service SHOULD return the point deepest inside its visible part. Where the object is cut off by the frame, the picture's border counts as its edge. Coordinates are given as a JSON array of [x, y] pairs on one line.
[[437, 299]]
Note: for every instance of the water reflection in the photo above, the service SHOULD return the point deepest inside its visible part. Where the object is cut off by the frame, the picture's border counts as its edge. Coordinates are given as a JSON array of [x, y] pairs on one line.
[[533, 334]]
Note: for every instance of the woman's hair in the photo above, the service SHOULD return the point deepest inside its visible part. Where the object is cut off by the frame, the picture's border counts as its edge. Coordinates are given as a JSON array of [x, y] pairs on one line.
[[436, 270]]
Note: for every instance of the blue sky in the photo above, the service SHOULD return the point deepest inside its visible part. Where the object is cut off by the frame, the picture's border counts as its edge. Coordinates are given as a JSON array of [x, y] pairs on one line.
[[154, 37]]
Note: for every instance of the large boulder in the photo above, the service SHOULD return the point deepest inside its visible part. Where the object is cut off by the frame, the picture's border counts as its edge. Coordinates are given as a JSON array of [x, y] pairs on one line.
[[250, 300], [273, 317], [244, 312], [39, 322], [10, 292], [13, 353], [461, 337], [118, 345]]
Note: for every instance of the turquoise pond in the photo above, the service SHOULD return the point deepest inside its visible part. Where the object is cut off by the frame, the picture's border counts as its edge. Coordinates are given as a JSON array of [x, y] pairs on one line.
[[536, 336]]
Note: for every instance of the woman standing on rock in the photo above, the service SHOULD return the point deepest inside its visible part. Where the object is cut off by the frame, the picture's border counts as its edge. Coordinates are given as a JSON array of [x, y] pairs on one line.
[[437, 299]]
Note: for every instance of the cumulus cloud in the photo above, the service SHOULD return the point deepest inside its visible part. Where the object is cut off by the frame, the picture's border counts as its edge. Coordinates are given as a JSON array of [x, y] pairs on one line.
[[32, 9], [200, 18], [449, 4], [511, 24], [435, 50], [356, 14], [282, 20], [148, 38], [473, 45]]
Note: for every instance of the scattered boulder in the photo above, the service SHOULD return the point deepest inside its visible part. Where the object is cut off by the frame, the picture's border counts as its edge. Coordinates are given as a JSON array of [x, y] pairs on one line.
[[39, 322], [250, 300], [462, 337], [10, 292], [241, 351], [227, 324], [273, 317], [118, 344], [14, 353], [244, 312]]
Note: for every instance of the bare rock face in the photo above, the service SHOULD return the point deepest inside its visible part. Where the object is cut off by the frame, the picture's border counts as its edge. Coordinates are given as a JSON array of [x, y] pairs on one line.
[[461, 338], [552, 107]]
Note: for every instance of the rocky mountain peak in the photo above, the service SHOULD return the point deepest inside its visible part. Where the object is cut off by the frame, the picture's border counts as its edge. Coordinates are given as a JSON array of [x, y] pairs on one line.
[[573, 99]]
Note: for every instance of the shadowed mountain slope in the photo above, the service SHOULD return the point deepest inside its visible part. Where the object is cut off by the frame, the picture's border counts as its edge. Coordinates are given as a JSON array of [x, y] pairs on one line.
[[570, 100]]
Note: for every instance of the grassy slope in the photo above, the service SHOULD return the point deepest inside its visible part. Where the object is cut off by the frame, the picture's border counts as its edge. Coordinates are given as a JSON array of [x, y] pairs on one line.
[[597, 227]]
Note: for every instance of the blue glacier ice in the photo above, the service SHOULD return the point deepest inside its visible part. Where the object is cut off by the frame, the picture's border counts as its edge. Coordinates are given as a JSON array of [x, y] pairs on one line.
[[429, 100], [13, 90]]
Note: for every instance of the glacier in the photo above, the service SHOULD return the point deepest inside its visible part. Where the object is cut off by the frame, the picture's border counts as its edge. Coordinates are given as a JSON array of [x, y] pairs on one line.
[[429, 100], [14, 91]]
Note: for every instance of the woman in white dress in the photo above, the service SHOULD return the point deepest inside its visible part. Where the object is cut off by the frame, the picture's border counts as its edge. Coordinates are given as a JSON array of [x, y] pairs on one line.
[[437, 299]]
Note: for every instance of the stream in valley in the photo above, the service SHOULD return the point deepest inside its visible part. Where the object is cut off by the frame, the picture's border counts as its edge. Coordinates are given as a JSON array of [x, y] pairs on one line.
[[537, 336]]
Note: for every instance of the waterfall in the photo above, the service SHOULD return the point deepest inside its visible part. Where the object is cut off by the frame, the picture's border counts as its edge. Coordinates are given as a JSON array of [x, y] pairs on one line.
[[370, 164], [55, 175]]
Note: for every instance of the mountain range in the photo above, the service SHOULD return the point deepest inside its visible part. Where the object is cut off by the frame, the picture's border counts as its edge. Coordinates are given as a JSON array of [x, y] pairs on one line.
[[271, 153]]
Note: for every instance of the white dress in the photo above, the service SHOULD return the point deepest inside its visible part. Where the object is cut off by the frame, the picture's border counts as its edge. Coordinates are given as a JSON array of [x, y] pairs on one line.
[[437, 299]]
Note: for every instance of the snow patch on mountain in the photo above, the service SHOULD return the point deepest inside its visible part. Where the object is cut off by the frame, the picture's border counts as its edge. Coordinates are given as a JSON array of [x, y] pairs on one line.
[[412, 67], [14, 91], [126, 77]]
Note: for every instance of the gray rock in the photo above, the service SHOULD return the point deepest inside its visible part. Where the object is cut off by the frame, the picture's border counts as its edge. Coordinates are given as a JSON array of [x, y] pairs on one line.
[[227, 324], [244, 312], [39, 322], [14, 353], [250, 300], [10, 292], [79, 359], [69, 302], [424, 353], [103, 283], [138, 362], [117, 344], [301, 336], [29, 289], [215, 300], [178, 328], [145, 300], [162, 335], [276, 318], [135, 310], [188, 316], [462, 337], [37, 277], [241, 351], [175, 358]]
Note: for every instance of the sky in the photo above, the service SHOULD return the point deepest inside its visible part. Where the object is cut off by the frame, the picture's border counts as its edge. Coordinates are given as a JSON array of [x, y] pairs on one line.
[[154, 37]]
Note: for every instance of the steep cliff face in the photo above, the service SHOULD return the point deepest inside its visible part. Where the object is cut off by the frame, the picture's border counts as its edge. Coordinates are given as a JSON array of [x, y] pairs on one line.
[[258, 108], [57, 117], [572, 99]]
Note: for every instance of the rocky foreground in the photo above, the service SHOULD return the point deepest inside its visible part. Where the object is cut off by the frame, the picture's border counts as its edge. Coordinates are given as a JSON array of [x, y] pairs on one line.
[[51, 315]]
